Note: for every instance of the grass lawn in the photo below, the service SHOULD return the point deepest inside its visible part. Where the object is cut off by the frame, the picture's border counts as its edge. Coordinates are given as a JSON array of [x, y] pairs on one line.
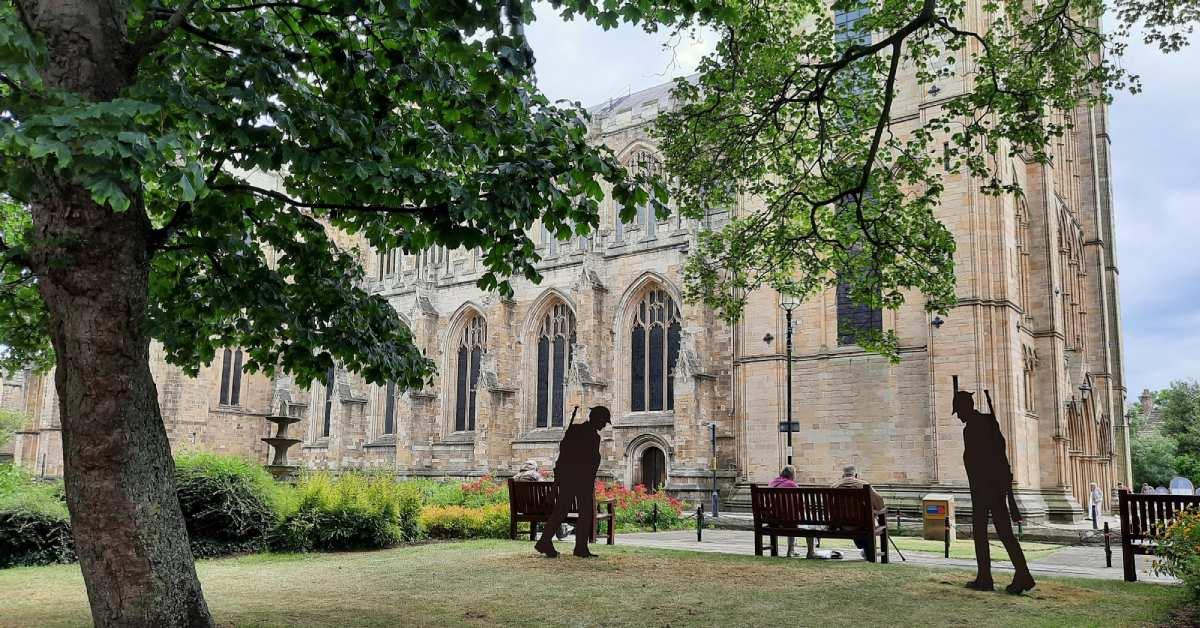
[[505, 583], [960, 548]]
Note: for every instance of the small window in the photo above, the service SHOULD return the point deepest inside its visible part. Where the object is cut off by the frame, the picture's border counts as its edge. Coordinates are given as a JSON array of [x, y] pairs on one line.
[[389, 409], [231, 378], [328, 415]]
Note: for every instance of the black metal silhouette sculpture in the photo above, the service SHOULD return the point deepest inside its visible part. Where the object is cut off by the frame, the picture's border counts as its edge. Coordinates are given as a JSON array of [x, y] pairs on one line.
[[575, 473], [990, 477]]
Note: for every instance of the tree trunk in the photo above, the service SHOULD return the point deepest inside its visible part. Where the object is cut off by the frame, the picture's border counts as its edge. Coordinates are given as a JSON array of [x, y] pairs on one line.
[[93, 268]]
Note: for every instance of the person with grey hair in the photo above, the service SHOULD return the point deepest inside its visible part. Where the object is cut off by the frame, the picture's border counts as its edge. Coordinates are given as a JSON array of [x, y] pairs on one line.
[[850, 479], [528, 472]]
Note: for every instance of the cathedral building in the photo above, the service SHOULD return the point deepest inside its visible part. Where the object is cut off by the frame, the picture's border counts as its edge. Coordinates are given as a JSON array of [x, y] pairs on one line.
[[1037, 325]]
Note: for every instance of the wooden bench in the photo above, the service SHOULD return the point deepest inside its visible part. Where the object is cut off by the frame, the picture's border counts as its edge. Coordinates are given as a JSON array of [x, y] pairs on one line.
[[1143, 518], [533, 502], [840, 513]]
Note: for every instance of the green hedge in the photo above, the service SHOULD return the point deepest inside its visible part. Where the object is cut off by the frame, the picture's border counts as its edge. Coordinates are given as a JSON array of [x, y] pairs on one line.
[[352, 511], [35, 528], [228, 503], [461, 522]]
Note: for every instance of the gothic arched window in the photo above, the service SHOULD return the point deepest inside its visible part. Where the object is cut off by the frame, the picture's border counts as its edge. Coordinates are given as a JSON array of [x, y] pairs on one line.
[[556, 340], [231, 378], [470, 352], [653, 351]]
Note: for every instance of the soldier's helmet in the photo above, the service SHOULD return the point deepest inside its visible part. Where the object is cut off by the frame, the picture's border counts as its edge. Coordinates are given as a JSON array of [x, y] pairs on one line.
[[964, 403]]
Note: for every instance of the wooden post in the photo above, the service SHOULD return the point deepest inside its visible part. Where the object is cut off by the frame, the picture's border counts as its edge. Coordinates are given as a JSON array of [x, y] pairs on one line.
[[1126, 546], [1107, 546]]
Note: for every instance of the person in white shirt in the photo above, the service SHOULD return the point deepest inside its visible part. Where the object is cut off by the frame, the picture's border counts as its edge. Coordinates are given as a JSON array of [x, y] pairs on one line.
[[1095, 502]]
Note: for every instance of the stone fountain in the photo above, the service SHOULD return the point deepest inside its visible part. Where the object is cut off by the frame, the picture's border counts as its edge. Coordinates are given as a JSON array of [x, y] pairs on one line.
[[280, 442]]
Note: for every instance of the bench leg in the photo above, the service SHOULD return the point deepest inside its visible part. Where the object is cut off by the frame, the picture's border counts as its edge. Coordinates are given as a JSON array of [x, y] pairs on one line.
[[532, 530], [1128, 563], [883, 541], [512, 528], [870, 548], [774, 545], [758, 545], [808, 543], [611, 535]]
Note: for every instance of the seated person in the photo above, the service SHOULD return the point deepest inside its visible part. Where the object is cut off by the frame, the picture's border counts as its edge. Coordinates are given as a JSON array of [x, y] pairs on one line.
[[787, 479], [528, 472], [850, 479]]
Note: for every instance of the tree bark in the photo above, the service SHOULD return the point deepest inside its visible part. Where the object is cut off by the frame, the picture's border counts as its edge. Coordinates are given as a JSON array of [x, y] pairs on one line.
[[93, 269]]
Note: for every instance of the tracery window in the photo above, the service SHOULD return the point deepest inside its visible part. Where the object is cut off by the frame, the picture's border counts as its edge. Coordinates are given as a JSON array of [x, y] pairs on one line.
[[556, 342], [231, 378], [854, 317], [469, 355], [653, 351]]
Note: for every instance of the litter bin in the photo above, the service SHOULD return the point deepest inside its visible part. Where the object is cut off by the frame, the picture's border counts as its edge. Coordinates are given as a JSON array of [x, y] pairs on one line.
[[937, 510]]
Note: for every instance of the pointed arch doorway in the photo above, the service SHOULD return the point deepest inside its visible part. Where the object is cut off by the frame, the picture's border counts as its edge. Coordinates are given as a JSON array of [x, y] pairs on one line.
[[652, 469]]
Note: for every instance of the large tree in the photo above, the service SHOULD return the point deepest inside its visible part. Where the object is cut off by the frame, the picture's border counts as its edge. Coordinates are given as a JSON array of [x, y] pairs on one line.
[[133, 140]]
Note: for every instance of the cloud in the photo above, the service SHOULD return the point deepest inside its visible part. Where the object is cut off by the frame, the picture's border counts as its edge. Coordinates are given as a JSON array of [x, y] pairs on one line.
[[580, 61], [1155, 170], [1156, 190]]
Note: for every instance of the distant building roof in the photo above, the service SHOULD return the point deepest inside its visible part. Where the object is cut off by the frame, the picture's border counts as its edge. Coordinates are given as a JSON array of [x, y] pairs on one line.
[[638, 106], [1145, 405]]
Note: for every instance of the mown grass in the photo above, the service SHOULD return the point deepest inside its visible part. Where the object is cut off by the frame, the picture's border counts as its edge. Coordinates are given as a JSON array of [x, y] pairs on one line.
[[506, 583], [960, 548]]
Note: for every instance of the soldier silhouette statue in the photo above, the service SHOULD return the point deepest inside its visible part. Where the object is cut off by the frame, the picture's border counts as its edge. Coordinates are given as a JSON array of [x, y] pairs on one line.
[[575, 472], [990, 477]]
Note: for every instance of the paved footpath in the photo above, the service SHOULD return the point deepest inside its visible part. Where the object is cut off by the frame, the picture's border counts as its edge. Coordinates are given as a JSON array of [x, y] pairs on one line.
[[1073, 562]]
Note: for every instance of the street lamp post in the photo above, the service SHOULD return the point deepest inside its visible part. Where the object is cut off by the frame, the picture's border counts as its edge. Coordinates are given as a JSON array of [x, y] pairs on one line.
[[789, 302]]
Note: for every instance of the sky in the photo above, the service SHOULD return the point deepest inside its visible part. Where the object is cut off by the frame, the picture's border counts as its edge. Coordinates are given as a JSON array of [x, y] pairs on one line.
[[1155, 152]]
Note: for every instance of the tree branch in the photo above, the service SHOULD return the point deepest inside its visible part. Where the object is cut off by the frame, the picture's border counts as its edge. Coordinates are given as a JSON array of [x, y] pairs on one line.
[[413, 210], [275, 5], [150, 40]]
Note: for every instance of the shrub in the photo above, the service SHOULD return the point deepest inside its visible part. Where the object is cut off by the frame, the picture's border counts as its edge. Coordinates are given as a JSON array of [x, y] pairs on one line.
[[353, 511], [35, 528], [474, 494], [228, 503], [635, 507], [1178, 551], [460, 522]]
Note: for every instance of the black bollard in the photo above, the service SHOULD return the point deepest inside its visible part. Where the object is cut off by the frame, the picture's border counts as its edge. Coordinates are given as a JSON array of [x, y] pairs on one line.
[[1107, 546], [947, 541], [699, 523], [654, 518]]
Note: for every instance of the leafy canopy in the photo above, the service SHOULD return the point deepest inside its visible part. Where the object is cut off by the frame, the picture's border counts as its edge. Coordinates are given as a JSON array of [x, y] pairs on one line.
[[245, 131]]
